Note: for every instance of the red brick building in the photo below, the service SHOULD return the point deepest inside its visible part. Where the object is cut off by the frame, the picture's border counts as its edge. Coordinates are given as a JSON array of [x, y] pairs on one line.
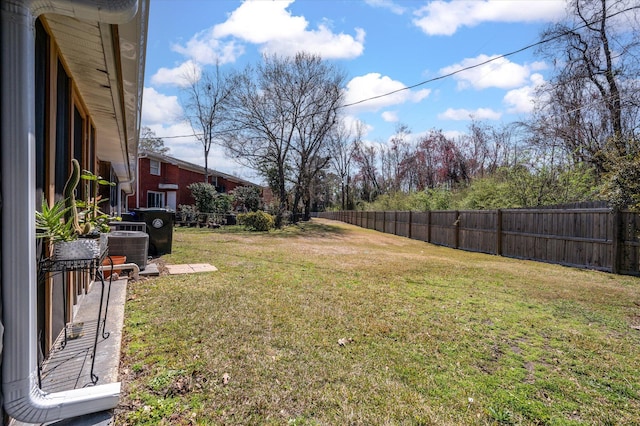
[[163, 181]]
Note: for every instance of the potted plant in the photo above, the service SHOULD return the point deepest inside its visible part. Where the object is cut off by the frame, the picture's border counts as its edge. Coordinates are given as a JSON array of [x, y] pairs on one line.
[[51, 224], [76, 229]]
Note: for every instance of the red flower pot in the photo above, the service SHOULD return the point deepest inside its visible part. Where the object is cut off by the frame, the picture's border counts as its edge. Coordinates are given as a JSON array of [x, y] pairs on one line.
[[117, 260]]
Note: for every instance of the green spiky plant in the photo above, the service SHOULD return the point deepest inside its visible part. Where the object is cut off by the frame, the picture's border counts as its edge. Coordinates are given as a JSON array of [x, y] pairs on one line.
[[50, 222], [60, 223], [68, 218], [94, 219]]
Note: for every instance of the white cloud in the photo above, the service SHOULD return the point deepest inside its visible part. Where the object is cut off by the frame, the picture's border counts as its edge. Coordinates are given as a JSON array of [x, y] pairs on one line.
[[446, 17], [205, 49], [465, 114], [270, 25], [259, 22], [521, 100], [352, 123], [390, 116], [177, 132], [453, 134], [159, 108], [321, 42], [500, 72], [178, 76], [387, 4], [374, 84]]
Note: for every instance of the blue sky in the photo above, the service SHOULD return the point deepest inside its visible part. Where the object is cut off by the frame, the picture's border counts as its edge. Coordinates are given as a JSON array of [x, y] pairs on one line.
[[382, 45]]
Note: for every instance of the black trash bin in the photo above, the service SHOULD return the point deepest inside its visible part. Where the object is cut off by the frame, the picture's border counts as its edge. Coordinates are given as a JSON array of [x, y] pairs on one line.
[[159, 227]]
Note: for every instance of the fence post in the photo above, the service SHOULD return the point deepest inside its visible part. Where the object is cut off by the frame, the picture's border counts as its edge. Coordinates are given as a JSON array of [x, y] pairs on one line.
[[410, 222], [457, 230], [429, 226], [499, 232], [395, 222], [616, 240]]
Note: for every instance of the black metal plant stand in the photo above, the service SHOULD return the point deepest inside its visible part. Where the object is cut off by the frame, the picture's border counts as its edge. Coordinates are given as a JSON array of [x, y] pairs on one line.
[[91, 265]]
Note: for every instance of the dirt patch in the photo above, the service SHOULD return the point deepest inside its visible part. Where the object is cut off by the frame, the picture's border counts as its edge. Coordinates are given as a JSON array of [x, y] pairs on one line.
[[161, 264]]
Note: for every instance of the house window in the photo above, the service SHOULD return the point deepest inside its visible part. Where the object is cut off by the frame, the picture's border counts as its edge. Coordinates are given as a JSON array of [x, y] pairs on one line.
[[155, 199], [91, 166], [63, 131], [78, 145], [154, 167]]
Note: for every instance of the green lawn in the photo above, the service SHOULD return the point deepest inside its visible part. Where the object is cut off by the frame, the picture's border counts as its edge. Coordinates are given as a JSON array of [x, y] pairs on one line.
[[429, 335]]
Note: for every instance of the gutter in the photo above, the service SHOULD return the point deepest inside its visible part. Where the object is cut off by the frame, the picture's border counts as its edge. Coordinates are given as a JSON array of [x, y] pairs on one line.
[[23, 398]]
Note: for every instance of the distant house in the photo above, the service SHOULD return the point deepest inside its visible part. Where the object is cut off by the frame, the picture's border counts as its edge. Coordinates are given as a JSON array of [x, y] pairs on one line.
[[163, 181]]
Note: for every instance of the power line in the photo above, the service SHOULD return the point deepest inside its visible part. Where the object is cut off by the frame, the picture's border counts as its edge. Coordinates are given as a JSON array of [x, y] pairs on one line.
[[444, 76], [495, 58]]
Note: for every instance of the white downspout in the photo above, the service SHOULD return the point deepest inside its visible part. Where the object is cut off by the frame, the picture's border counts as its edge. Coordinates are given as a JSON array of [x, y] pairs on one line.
[[23, 399], [140, 156], [127, 194]]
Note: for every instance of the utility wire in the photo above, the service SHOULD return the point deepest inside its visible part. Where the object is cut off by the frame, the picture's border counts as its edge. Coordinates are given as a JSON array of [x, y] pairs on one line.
[[467, 68], [495, 58]]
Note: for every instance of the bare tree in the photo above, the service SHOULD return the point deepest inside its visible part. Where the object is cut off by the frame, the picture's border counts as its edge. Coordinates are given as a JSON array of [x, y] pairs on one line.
[[319, 88], [394, 159], [436, 161], [425, 161], [282, 112], [400, 152], [366, 158], [486, 148], [591, 100], [342, 144], [263, 137], [207, 95], [149, 142]]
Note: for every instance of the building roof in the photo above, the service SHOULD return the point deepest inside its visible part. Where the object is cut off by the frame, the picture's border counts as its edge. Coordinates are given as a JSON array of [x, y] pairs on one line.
[[194, 167], [107, 63]]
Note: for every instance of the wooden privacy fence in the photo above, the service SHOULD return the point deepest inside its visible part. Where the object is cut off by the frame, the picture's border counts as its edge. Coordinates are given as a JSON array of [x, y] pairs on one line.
[[593, 238]]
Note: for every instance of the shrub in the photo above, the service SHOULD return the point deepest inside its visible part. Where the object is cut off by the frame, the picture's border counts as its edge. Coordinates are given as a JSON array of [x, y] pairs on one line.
[[204, 194], [247, 197], [256, 221], [429, 199], [208, 200]]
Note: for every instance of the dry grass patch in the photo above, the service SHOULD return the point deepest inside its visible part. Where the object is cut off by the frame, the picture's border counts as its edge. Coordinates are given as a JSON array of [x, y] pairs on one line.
[[327, 324]]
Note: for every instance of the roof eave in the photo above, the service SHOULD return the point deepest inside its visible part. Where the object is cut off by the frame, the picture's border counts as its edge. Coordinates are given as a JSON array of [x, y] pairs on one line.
[[126, 71]]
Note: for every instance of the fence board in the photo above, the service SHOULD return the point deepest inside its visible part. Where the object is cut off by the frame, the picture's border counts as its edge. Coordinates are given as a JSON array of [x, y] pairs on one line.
[[389, 222], [477, 230], [420, 226], [443, 227], [630, 243], [403, 224]]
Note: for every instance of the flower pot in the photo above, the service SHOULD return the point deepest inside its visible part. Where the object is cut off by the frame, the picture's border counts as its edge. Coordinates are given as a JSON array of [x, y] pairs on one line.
[[82, 248], [117, 260]]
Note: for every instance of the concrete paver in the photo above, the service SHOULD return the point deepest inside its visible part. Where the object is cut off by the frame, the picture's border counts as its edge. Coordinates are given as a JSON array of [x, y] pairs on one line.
[[190, 268]]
